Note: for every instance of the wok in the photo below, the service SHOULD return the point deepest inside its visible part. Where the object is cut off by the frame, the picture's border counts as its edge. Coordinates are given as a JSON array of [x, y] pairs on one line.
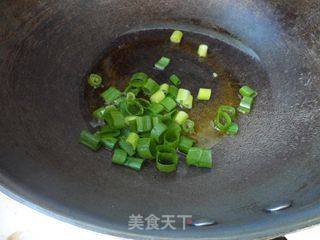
[[47, 48]]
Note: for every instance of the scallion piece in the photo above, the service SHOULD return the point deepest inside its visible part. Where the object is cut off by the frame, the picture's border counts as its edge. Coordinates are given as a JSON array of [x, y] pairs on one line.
[[144, 124], [119, 101], [146, 148], [175, 80], [150, 87], [138, 79], [145, 103], [90, 140], [165, 88], [132, 89], [223, 121], [182, 96], [203, 50], [247, 91], [134, 163], [228, 109], [167, 162], [119, 156], [172, 137], [99, 113], [165, 149], [199, 157], [185, 144], [126, 146], [176, 36], [181, 117], [107, 131], [133, 107], [188, 126], [115, 119], [133, 139], [131, 96], [233, 129], [156, 108], [158, 131], [245, 105], [110, 95], [157, 97], [188, 103], [108, 142], [95, 80], [204, 94], [131, 122], [156, 120], [162, 63], [173, 92], [169, 104], [168, 117]]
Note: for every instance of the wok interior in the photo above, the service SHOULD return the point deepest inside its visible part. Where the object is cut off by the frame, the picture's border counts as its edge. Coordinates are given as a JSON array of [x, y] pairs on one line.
[[49, 48]]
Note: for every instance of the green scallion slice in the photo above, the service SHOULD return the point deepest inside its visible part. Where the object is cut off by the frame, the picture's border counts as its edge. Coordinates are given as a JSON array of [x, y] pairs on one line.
[[204, 94], [175, 80], [95, 80], [119, 156], [90, 140], [146, 148], [110, 95], [176, 36], [162, 63]]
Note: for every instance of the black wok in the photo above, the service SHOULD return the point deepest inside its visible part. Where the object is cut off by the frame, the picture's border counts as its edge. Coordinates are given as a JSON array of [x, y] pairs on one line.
[[47, 48]]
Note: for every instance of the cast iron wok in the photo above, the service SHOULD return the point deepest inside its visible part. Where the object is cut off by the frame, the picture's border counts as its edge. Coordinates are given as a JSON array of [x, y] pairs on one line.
[[48, 47]]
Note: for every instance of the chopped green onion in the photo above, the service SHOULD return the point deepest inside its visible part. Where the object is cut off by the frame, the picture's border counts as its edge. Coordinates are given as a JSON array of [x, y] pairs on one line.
[[119, 101], [169, 104], [203, 50], [156, 108], [233, 129], [95, 80], [199, 157], [185, 144], [132, 89], [245, 105], [90, 140], [131, 96], [134, 163], [156, 120], [110, 95], [119, 156], [223, 121], [133, 107], [162, 63], [173, 91], [188, 126], [167, 162], [108, 142], [172, 137], [126, 146], [164, 87], [138, 79], [115, 119], [228, 109], [157, 97], [188, 102], [175, 80], [133, 139], [168, 117], [247, 91], [158, 131], [100, 113], [144, 124], [150, 87], [176, 36], [107, 131], [131, 122], [181, 117], [146, 148], [145, 103], [182, 96], [204, 94], [165, 149]]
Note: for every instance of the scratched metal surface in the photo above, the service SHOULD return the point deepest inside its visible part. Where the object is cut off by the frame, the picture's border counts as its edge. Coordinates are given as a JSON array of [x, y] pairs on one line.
[[46, 49]]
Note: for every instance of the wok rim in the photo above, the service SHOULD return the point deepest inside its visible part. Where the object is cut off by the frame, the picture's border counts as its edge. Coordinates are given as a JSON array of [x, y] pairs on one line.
[[280, 225]]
